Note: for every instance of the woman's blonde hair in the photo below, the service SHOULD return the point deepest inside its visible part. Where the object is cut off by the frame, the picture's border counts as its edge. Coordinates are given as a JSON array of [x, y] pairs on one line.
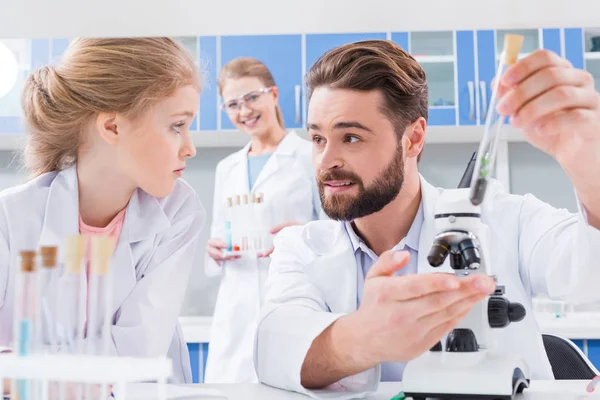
[[124, 75], [248, 67]]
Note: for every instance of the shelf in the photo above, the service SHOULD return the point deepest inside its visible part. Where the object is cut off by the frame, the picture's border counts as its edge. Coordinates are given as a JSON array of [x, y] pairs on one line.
[[592, 55], [236, 139], [521, 56], [434, 59]]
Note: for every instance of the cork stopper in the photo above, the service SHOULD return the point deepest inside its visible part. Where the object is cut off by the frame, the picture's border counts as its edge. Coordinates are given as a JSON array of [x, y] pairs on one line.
[[512, 47], [49, 254], [252, 198], [27, 261], [260, 197], [245, 199], [102, 249], [74, 252], [229, 202], [236, 200]]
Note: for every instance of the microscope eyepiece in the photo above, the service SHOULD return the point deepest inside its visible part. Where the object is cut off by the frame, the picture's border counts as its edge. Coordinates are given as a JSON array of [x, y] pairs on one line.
[[438, 253]]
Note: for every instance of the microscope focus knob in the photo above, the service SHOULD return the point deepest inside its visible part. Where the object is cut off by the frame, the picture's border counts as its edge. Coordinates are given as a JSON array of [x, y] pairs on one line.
[[502, 312], [461, 340]]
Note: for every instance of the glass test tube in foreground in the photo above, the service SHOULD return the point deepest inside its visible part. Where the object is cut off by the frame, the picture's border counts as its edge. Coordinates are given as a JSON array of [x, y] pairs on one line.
[[100, 296], [486, 155], [100, 299], [73, 303], [49, 299], [24, 331]]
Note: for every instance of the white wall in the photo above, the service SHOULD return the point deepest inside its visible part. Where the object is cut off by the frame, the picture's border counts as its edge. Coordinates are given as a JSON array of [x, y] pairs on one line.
[[73, 18], [442, 164]]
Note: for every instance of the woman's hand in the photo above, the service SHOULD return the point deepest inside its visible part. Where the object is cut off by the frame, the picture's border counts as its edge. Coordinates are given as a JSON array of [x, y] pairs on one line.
[[215, 248], [274, 231]]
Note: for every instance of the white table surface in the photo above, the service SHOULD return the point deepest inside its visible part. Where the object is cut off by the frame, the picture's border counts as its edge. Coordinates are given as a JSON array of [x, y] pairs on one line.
[[539, 390]]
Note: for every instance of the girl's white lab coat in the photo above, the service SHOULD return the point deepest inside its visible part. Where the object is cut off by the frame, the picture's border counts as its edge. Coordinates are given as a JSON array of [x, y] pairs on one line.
[[151, 263], [291, 194], [535, 250]]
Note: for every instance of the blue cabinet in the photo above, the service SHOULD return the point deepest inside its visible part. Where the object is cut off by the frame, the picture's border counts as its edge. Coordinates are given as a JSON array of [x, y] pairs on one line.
[[198, 353], [582, 49], [465, 62], [486, 69], [460, 66], [591, 348], [574, 47], [209, 98], [593, 352], [283, 56], [435, 51], [319, 44]]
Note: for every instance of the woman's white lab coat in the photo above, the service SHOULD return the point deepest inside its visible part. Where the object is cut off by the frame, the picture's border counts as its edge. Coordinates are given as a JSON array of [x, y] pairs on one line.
[[535, 250], [290, 194], [151, 264]]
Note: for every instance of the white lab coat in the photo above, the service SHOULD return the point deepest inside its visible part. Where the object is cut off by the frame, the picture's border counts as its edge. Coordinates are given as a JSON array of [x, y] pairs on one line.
[[536, 249], [290, 192], [151, 264]]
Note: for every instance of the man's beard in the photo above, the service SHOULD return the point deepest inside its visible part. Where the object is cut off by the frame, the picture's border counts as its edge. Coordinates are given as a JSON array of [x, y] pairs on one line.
[[385, 188]]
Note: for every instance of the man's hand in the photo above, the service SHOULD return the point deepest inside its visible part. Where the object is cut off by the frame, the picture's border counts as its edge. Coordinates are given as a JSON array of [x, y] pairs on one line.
[[558, 109], [399, 318]]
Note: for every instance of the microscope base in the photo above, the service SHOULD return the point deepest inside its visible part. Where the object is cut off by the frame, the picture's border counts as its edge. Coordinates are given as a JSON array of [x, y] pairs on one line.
[[482, 374]]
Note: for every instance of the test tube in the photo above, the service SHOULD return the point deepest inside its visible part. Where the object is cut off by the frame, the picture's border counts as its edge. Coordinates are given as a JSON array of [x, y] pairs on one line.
[[260, 215], [228, 215], [236, 223], [486, 155], [49, 298], [73, 306], [24, 330], [100, 295], [244, 223], [254, 231], [73, 302]]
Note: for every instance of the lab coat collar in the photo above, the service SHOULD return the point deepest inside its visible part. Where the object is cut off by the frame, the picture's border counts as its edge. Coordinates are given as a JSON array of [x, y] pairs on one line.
[[334, 268], [61, 218], [411, 239], [287, 147]]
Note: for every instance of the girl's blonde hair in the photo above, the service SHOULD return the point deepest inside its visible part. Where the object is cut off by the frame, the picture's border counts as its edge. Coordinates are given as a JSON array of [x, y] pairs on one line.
[[123, 75], [248, 67]]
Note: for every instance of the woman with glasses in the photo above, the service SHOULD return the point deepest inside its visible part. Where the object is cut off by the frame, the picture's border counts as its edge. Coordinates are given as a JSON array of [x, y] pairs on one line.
[[273, 176]]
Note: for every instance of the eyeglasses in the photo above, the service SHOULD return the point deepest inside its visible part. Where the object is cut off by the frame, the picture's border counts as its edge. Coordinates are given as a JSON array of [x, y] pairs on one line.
[[250, 98]]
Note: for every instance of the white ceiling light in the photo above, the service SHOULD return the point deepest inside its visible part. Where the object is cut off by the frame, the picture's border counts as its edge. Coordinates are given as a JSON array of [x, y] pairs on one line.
[[9, 70]]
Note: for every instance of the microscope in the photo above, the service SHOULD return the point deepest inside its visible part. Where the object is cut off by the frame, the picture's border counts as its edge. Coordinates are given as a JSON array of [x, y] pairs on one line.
[[469, 366]]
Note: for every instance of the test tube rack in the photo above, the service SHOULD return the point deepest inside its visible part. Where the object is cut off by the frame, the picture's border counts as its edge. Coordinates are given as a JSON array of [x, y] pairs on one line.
[[247, 226], [86, 369]]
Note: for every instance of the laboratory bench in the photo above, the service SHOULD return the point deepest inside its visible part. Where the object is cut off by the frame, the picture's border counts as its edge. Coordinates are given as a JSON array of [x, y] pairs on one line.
[[583, 328], [538, 390]]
